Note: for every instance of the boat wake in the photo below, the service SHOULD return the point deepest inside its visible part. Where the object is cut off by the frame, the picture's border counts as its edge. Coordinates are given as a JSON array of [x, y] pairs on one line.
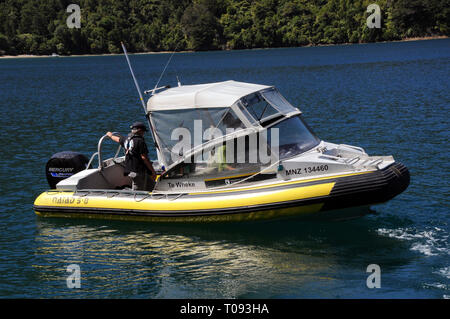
[[432, 242], [444, 272]]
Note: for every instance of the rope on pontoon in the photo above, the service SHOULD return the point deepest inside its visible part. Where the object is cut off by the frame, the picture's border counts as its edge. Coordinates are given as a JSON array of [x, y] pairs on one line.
[[166, 195], [145, 197]]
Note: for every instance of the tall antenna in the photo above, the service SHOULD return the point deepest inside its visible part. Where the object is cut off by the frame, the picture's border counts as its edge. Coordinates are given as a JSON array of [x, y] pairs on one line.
[[134, 78], [167, 64], [142, 101]]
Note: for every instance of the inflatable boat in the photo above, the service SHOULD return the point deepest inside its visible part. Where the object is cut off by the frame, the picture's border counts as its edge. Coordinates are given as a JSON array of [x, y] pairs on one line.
[[226, 151]]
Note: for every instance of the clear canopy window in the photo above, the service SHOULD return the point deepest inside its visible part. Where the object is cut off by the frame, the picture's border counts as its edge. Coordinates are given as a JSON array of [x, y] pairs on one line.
[[264, 105], [241, 155], [179, 131], [295, 137]]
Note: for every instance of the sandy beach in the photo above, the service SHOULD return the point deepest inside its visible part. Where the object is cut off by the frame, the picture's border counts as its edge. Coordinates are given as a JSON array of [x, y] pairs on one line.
[[23, 56]]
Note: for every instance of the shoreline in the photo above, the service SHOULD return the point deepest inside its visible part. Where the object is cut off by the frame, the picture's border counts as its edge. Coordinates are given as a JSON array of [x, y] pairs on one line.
[[27, 56]]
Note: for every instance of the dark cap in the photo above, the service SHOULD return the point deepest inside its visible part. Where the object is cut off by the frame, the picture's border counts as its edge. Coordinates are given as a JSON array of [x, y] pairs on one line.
[[139, 125]]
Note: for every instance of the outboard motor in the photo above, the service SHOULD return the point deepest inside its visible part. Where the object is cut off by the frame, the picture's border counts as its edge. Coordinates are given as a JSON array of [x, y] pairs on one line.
[[63, 165]]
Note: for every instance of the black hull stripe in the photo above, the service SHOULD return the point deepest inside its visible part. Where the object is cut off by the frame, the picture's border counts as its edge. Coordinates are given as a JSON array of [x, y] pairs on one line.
[[364, 189]]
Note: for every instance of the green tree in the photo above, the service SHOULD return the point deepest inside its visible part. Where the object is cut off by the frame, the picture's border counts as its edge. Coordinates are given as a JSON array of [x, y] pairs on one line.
[[39, 26], [200, 27]]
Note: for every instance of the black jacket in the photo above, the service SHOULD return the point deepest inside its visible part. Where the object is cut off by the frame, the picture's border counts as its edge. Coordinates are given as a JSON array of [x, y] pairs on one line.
[[134, 146]]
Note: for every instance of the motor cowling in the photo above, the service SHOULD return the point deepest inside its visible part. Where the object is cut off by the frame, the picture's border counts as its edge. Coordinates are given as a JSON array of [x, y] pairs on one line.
[[62, 165]]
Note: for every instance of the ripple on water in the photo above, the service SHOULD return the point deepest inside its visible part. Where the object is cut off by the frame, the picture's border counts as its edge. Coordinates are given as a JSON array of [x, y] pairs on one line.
[[432, 242]]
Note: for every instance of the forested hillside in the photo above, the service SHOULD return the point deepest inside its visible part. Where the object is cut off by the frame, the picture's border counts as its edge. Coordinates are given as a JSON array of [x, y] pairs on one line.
[[39, 26]]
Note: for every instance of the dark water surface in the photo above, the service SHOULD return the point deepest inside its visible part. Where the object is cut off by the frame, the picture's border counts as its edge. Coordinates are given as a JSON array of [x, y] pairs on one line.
[[389, 98]]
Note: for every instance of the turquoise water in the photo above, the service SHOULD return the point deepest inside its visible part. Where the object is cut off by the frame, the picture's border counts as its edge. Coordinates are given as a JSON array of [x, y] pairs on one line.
[[389, 98]]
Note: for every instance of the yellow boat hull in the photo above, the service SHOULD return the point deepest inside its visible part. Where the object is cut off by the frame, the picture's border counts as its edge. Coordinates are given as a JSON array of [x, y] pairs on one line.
[[184, 208], [274, 201]]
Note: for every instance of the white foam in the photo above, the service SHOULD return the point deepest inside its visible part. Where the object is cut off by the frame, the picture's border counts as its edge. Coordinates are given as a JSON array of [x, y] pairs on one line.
[[444, 272], [424, 249], [436, 285], [428, 242]]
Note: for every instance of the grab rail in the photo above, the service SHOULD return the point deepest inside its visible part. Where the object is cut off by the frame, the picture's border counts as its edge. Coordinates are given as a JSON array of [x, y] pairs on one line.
[[331, 157], [354, 147], [100, 142], [99, 152], [90, 161]]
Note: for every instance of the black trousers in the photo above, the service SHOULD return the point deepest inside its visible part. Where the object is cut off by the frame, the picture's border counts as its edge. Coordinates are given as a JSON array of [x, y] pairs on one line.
[[141, 181]]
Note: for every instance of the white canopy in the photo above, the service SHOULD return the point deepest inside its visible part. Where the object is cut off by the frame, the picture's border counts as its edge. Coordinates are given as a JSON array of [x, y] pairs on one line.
[[211, 95]]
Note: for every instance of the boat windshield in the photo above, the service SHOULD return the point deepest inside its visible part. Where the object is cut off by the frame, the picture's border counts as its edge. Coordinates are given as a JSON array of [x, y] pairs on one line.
[[295, 137], [264, 106], [248, 154]]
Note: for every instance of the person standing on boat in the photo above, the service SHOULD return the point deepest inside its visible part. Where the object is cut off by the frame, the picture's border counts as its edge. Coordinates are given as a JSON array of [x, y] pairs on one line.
[[137, 164]]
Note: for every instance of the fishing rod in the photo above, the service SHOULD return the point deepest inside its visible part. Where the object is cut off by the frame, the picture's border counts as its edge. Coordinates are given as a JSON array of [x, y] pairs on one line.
[[134, 78], [152, 130]]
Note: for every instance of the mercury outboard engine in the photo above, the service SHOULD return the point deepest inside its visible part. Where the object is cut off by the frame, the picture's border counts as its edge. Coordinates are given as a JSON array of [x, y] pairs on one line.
[[63, 165]]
